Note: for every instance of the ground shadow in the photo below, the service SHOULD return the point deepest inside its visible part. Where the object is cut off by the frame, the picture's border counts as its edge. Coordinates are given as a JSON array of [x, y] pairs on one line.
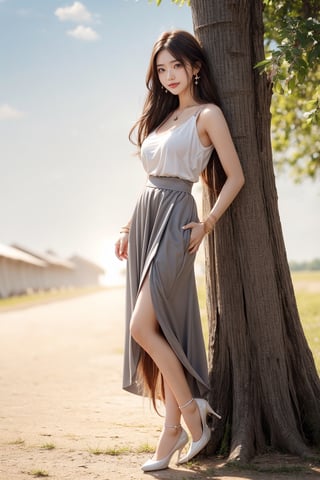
[[271, 467]]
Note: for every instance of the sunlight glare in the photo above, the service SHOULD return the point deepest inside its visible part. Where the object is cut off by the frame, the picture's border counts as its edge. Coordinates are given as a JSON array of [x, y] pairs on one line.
[[115, 269]]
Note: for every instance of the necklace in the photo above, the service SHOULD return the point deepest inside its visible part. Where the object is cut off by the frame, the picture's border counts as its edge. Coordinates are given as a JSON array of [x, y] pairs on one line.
[[177, 113]]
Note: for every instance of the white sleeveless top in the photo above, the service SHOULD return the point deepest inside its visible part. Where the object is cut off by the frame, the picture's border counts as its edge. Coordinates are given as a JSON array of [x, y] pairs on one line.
[[177, 152]]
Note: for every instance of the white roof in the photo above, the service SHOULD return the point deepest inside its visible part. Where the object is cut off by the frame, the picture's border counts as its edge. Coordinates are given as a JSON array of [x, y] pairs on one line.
[[53, 259], [48, 257], [19, 256], [78, 260]]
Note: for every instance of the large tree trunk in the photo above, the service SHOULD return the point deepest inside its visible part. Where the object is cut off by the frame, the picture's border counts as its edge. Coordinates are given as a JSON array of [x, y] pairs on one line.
[[263, 377]]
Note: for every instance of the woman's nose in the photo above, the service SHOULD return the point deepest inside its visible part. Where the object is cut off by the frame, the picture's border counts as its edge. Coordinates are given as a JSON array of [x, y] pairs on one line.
[[170, 73]]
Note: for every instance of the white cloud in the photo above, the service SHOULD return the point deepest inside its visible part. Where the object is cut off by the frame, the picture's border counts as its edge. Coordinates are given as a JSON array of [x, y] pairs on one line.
[[9, 113], [74, 13], [83, 33]]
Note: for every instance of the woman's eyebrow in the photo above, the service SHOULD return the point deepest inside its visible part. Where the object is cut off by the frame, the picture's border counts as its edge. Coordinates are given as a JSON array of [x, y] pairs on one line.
[[162, 64]]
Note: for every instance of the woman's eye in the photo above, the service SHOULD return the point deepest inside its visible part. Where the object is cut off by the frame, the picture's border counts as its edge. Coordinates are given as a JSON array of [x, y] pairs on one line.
[[160, 70], [177, 65]]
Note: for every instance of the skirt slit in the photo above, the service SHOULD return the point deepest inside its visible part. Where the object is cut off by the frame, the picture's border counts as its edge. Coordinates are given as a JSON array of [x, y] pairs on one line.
[[158, 246]]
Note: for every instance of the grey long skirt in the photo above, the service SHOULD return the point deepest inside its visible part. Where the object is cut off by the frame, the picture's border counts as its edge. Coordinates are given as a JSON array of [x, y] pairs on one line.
[[157, 244]]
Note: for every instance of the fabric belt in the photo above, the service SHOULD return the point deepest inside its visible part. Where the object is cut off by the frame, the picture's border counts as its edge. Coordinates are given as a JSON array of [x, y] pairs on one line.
[[170, 183]]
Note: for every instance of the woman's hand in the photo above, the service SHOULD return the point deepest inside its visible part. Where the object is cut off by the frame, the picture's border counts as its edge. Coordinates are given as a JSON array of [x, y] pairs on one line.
[[197, 234], [121, 247]]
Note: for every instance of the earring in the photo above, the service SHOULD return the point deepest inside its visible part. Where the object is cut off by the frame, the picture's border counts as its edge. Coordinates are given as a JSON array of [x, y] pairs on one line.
[[165, 90], [196, 78]]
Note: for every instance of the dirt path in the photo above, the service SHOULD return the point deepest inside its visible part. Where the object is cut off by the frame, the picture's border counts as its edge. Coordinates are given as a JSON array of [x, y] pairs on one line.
[[62, 410]]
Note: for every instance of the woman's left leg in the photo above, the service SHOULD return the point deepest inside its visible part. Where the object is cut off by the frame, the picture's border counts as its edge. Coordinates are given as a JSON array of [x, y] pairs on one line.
[[145, 330], [171, 428]]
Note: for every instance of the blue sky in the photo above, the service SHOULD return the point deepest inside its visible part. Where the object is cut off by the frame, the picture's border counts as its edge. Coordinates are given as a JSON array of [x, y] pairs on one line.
[[71, 85]]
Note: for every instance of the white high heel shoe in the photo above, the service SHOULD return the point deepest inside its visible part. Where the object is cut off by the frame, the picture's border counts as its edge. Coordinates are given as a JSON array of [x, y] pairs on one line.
[[196, 447], [152, 465]]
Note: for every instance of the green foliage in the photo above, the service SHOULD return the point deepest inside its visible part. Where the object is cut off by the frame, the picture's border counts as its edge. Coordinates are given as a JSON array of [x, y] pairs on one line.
[[145, 448], [292, 34], [113, 451], [45, 296], [39, 473], [177, 2], [312, 265], [18, 441], [292, 41], [307, 287], [309, 311], [48, 446]]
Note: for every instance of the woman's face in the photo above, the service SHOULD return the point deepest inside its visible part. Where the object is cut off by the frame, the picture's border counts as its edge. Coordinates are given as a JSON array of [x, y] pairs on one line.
[[172, 74]]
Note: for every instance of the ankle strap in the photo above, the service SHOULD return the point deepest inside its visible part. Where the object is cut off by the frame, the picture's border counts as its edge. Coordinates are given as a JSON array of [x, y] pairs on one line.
[[186, 404], [173, 426]]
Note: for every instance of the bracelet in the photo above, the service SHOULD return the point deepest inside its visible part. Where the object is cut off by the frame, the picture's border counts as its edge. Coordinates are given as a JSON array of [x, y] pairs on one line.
[[209, 223], [124, 230]]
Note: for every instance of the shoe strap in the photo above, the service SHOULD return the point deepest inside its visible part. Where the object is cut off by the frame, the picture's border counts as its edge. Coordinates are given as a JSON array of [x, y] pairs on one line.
[[172, 426], [186, 404]]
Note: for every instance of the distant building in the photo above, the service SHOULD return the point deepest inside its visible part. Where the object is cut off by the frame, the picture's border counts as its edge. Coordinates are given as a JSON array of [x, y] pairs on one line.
[[23, 270], [19, 271], [85, 273], [57, 271]]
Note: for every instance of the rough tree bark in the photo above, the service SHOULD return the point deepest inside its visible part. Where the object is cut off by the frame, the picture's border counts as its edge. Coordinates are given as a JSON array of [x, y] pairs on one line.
[[262, 373]]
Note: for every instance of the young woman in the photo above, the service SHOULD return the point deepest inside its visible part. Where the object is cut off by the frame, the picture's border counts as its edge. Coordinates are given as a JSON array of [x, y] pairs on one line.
[[178, 134]]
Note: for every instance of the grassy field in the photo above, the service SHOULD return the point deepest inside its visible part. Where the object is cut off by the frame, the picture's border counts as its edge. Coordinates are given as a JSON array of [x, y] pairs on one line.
[[22, 301], [307, 291], [306, 285]]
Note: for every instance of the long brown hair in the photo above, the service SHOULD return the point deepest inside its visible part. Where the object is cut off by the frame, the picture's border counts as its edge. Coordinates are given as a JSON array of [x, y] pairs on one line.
[[186, 49]]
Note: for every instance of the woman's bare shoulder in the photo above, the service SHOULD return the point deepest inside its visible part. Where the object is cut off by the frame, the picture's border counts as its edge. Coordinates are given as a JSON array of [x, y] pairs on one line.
[[211, 110], [210, 114]]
